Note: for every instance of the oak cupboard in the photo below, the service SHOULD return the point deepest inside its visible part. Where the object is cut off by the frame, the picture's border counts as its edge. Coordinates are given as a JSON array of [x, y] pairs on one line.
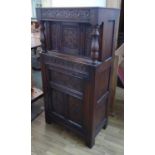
[[78, 48]]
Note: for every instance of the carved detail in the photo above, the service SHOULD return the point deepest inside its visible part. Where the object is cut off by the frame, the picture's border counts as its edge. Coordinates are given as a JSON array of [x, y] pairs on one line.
[[70, 38], [42, 37], [85, 112], [95, 44], [66, 13]]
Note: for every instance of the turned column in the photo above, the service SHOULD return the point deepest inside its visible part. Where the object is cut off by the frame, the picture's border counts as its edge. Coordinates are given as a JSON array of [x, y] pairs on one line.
[[42, 37], [95, 44]]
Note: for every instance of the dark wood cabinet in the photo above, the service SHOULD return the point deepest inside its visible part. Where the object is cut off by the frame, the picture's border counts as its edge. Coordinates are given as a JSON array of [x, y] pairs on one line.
[[78, 46]]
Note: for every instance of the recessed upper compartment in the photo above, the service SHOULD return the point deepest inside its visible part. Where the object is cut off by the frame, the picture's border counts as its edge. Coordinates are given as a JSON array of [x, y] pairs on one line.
[[79, 31], [70, 38]]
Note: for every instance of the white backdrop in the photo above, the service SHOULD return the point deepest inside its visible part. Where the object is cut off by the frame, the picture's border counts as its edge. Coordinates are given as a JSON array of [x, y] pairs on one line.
[[72, 3]]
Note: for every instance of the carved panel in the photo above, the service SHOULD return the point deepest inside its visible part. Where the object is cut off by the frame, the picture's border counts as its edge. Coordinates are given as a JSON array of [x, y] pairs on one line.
[[75, 110], [70, 13], [70, 37]]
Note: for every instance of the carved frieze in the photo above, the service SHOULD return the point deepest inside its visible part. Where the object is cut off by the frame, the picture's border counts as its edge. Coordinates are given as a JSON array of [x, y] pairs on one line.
[[71, 13]]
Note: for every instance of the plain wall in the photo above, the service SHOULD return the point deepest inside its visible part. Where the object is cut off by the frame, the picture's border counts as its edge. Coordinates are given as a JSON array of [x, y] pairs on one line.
[[76, 3]]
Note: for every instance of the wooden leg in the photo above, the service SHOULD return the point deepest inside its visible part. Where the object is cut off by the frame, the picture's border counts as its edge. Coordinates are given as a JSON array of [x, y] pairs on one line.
[[90, 142], [106, 124], [48, 119]]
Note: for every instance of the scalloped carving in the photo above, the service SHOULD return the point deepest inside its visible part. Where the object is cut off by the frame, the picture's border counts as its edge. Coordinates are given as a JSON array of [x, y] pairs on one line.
[[66, 13]]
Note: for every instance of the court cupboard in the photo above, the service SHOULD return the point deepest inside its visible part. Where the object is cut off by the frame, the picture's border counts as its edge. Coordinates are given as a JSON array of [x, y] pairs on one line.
[[78, 46]]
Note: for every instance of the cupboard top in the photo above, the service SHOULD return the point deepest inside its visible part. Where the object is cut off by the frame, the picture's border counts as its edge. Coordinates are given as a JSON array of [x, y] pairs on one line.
[[92, 15]]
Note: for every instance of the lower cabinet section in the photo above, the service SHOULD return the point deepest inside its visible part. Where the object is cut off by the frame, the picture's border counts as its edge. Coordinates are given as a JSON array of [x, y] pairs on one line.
[[74, 97]]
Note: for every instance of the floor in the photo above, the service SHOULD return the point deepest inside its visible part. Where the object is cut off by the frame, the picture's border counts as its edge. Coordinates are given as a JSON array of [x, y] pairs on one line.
[[57, 140], [37, 81]]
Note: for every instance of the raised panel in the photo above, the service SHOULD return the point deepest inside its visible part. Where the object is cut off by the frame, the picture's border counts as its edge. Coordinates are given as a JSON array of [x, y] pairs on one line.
[[102, 83], [109, 39], [100, 114], [70, 37], [58, 102], [48, 37], [88, 31], [75, 110], [67, 106], [55, 35]]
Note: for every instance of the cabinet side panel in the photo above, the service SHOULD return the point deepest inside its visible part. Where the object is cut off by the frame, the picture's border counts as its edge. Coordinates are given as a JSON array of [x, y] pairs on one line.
[[102, 94], [102, 83], [108, 39]]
